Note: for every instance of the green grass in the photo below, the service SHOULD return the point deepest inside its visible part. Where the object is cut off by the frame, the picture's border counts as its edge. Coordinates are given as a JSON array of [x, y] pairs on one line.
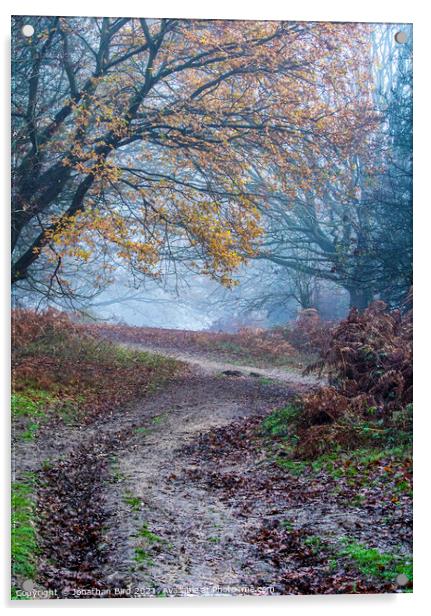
[[32, 407], [133, 501], [68, 410], [158, 418], [147, 539], [279, 423], [117, 476], [315, 543], [351, 465], [145, 533], [31, 403], [125, 356], [23, 535], [142, 556], [295, 467], [264, 380], [30, 432], [372, 562], [143, 430]]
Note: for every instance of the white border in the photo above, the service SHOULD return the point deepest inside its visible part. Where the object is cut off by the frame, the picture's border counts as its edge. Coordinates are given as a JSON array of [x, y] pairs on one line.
[[311, 10], [314, 10]]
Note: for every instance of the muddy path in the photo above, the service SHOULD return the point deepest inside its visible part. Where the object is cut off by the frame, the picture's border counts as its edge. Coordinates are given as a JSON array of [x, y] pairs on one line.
[[140, 504], [199, 544], [120, 516], [210, 366]]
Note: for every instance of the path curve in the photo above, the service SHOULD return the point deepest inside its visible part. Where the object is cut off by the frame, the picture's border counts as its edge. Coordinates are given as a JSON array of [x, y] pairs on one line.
[[207, 366]]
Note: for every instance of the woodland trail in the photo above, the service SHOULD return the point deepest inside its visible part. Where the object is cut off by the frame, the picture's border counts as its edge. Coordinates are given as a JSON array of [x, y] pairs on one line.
[[145, 527], [202, 547], [137, 504], [207, 366]]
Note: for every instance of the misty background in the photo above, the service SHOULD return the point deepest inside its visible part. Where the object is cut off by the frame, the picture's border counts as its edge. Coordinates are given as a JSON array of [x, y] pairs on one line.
[[328, 250]]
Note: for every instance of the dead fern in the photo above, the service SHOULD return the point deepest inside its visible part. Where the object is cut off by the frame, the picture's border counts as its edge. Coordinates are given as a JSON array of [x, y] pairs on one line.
[[369, 366]]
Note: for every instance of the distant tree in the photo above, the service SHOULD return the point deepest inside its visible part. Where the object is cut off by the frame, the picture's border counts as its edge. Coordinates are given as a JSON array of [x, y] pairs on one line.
[[354, 229], [393, 197]]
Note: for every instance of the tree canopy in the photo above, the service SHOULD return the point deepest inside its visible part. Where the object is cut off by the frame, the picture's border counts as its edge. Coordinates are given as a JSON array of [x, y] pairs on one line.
[[138, 140]]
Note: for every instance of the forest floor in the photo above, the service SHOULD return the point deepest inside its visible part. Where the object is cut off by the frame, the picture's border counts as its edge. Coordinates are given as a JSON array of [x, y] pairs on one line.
[[186, 491]]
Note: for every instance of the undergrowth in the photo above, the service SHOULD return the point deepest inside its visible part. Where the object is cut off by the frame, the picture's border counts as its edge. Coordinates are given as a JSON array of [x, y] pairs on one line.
[[24, 547], [62, 370], [368, 402]]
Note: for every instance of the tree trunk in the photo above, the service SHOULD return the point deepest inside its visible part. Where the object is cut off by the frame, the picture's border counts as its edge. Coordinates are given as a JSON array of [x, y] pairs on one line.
[[359, 298]]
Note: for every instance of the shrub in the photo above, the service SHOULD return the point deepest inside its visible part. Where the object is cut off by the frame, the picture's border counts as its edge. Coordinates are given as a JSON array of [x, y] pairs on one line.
[[309, 334], [369, 365], [370, 358]]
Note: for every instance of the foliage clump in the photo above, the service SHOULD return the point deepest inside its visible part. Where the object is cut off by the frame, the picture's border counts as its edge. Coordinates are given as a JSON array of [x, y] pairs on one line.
[[369, 366], [309, 333], [371, 354]]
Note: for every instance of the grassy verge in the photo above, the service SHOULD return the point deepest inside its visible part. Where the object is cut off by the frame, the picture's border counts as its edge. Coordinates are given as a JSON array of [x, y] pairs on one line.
[[377, 470], [262, 348], [373, 563], [62, 374], [286, 433], [385, 460], [23, 535]]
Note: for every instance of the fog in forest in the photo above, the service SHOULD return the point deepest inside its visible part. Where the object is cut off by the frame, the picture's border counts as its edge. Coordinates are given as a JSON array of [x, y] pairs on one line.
[[332, 200]]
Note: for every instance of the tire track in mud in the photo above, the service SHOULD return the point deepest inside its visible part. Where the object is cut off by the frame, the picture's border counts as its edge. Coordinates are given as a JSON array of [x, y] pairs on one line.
[[72, 515]]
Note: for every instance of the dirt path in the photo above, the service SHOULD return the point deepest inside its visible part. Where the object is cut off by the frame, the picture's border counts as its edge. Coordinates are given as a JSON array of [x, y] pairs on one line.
[[140, 504], [207, 366], [123, 482], [203, 549]]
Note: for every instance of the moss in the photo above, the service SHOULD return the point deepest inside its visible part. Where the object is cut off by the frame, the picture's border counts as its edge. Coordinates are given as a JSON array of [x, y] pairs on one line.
[[279, 423]]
